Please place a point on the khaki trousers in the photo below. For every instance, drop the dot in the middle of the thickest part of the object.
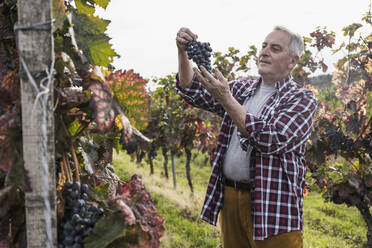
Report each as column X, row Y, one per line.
column 237, row 228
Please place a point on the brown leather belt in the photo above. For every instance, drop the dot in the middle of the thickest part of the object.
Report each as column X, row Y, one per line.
column 238, row 184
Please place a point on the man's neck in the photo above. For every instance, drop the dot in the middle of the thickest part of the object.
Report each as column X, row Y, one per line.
column 272, row 81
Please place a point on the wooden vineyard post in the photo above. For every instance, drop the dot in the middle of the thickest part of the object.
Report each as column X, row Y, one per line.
column 36, row 54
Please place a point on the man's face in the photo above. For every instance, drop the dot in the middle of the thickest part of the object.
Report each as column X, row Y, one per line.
column 275, row 61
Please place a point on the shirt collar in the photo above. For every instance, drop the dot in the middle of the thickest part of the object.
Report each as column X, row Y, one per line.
column 279, row 85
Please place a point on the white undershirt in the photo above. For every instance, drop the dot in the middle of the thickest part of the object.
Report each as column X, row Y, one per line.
column 236, row 161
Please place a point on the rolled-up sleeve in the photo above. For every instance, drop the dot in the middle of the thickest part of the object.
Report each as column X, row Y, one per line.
column 197, row 96
column 290, row 127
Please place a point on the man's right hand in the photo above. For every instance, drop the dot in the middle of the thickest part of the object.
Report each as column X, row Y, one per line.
column 184, row 35
column 185, row 72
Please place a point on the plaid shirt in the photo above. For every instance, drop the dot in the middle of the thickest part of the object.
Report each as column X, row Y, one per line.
column 278, row 137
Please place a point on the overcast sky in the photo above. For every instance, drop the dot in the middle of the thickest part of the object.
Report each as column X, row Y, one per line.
column 143, row 31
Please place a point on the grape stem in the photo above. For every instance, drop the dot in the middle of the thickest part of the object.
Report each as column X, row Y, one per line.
column 72, row 150
column 67, row 167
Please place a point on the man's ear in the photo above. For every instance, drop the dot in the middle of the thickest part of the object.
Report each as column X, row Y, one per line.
column 293, row 61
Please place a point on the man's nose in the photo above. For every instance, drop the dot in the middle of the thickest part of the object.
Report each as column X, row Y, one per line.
column 264, row 51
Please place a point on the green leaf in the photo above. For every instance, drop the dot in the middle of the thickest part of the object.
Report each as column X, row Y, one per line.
column 106, row 231
column 74, row 127
column 351, row 29
column 84, row 24
column 84, row 8
column 101, row 51
column 101, row 190
column 102, row 3
column 91, row 39
column 307, row 40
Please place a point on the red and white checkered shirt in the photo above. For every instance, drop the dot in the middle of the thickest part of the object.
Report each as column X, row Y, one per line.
column 278, row 137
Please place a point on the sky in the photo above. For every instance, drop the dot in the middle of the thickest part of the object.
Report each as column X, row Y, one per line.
column 143, row 32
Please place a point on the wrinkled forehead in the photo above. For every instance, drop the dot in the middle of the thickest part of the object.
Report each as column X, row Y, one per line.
column 278, row 37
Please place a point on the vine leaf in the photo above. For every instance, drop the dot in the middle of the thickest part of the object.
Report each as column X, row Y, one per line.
column 142, row 226
column 92, row 40
column 105, row 111
column 85, row 8
column 101, row 102
column 107, row 229
column 101, row 3
column 88, row 150
column 129, row 91
column 101, row 51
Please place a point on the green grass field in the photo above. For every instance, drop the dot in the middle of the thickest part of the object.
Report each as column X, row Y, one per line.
column 327, row 225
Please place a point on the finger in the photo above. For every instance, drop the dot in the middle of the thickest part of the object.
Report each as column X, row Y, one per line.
column 181, row 40
column 185, row 36
column 188, row 31
column 206, row 74
column 201, row 78
column 220, row 76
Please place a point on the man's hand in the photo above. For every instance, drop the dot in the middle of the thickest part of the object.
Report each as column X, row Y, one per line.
column 185, row 73
column 220, row 90
column 217, row 87
column 184, row 35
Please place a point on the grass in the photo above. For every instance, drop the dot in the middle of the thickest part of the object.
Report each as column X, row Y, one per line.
column 327, row 225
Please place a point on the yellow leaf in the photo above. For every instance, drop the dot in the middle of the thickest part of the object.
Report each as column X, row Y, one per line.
column 118, row 122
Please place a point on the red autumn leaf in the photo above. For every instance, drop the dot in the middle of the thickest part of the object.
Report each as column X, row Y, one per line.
column 130, row 219
column 137, row 205
column 101, row 102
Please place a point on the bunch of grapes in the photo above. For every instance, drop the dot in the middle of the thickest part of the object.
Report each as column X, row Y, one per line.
column 337, row 140
column 80, row 217
column 200, row 53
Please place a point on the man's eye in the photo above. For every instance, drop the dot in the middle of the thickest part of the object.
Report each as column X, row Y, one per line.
column 275, row 49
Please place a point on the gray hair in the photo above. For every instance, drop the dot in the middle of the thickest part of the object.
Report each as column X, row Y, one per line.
column 296, row 45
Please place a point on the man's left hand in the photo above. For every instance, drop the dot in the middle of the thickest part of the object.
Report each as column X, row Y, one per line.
column 217, row 87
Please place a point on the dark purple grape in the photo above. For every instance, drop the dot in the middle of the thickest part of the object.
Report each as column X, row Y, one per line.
column 84, row 196
column 68, row 240
column 78, row 239
column 93, row 209
column 68, row 185
column 67, row 226
column 76, row 186
column 79, row 228
column 76, row 218
column 100, row 211
column 82, row 211
column 74, row 194
column 81, row 203
column 84, row 188
column 75, row 210
column 76, row 245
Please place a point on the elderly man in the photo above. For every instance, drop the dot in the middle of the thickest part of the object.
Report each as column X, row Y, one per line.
column 258, row 173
